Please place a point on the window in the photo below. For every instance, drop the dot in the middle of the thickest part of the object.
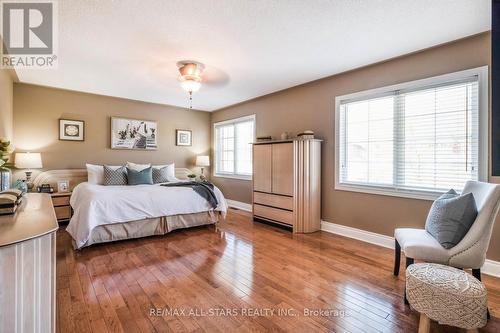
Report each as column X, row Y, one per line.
column 416, row 139
column 233, row 151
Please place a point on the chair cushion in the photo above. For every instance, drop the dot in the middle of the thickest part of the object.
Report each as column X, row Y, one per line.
column 419, row 244
column 451, row 217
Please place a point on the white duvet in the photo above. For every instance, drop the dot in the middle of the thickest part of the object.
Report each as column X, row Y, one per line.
column 96, row 205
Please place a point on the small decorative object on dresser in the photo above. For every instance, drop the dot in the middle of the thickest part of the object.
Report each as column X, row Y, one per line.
column 71, row 130
column 5, row 177
column 29, row 161
column 264, row 138
column 191, row 176
column 5, row 174
column 134, row 134
column 62, row 207
column 307, row 134
column 183, row 137
column 9, row 201
column 63, row 186
column 20, row 184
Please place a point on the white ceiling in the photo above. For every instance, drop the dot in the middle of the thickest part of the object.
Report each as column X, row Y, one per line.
column 129, row 48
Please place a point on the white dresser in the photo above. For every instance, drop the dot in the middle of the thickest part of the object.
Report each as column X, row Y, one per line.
column 28, row 266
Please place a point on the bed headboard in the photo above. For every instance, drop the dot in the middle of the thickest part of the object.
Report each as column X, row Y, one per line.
column 77, row 176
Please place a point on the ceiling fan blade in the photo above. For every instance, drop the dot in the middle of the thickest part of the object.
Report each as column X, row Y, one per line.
column 215, row 77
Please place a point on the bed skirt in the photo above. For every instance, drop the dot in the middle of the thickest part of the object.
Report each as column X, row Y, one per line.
column 148, row 227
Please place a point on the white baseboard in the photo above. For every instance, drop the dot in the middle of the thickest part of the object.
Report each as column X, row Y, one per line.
column 239, row 205
column 490, row 267
column 362, row 235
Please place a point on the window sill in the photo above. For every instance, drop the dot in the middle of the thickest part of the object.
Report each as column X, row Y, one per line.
column 249, row 178
column 420, row 195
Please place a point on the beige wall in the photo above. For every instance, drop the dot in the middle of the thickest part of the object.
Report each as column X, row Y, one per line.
column 36, row 128
column 311, row 106
column 6, row 124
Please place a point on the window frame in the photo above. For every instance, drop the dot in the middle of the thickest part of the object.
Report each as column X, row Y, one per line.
column 233, row 121
column 483, row 114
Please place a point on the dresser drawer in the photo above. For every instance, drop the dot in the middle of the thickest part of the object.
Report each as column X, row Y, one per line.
column 274, row 200
column 280, row 215
column 63, row 212
column 60, row 201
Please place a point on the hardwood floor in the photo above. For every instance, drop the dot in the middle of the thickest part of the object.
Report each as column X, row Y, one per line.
column 231, row 280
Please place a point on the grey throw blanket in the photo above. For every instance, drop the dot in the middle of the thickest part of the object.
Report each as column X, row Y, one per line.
column 204, row 189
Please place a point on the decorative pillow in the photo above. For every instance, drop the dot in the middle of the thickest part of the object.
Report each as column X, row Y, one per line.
column 114, row 176
column 140, row 177
column 170, row 171
column 95, row 174
column 137, row 167
column 451, row 217
column 160, row 175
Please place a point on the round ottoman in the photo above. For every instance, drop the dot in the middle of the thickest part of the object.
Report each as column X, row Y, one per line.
column 447, row 295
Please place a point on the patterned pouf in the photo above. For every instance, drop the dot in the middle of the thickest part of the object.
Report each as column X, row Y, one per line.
column 446, row 294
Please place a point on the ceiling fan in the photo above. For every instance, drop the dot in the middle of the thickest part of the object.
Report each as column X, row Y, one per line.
column 192, row 74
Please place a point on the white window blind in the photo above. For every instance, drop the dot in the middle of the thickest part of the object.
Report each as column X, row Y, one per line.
column 413, row 139
column 233, row 152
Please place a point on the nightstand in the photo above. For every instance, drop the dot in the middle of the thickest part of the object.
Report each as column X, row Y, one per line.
column 60, row 201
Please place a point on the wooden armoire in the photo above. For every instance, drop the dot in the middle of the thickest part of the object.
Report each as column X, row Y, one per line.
column 287, row 183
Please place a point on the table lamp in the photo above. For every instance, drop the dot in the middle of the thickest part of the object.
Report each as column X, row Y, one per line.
column 28, row 161
column 202, row 161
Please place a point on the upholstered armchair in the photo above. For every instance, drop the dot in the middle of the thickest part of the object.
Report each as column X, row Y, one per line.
column 470, row 252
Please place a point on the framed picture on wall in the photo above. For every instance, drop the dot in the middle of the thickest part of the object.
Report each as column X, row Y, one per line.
column 183, row 137
column 134, row 134
column 71, row 130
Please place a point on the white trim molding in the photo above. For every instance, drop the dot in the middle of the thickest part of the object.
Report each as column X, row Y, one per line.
column 490, row 267
column 362, row 235
column 239, row 205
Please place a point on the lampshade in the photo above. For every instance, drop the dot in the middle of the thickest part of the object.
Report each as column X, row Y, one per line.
column 202, row 161
column 28, row 161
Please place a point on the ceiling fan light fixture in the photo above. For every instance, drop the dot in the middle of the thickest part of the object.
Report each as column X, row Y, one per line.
column 190, row 75
column 187, row 68
column 190, row 84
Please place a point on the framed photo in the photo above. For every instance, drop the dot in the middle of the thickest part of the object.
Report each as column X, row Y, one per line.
column 183, row 137
column 63, row 186
column 71, row 130
column 134, row 134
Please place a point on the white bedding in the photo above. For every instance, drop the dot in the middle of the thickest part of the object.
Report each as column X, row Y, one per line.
column 96, row 205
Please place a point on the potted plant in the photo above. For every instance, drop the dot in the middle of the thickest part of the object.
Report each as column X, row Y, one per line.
column 5, row 174
column 192, row 177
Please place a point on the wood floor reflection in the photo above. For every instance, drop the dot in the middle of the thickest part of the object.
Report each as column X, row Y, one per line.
column 247, row 277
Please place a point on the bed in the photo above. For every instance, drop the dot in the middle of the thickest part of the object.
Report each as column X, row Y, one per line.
column 110, row 213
